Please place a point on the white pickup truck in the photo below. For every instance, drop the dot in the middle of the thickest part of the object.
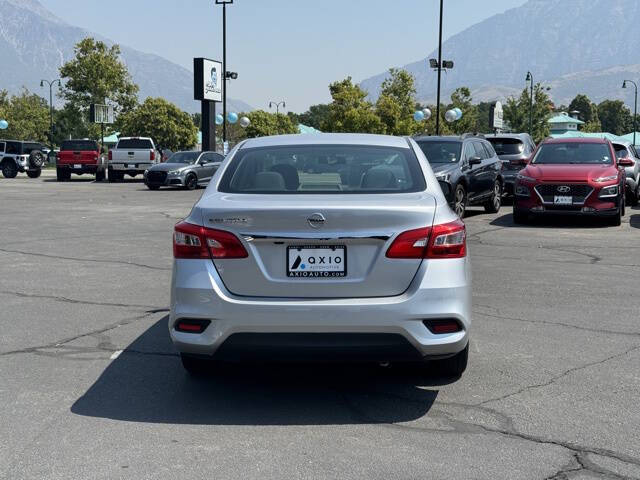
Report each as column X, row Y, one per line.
column 131, row 156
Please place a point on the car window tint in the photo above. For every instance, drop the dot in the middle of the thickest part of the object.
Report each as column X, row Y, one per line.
column 573, row 153
column 83, row 145
column 469, row 151
column 1, row 146
column 479, row 150
column 212, row 157
column 489, row 149
column 13, row 147
column 506, row 146
column 440, row 151
column 135, row 144
column 325, row 169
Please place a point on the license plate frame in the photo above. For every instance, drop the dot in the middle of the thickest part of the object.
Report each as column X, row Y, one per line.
column 315, row 269
column 563, row 200
column 131, row 166
column 77, row 166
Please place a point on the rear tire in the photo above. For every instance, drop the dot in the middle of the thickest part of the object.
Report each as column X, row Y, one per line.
column 495, row 201
column 33, row 173
column 36, row 159
column 460, row 200
column 62, row 175
column 9, row 169
column 100, row 175
column 153, row 187
column 616, row 220
column 115, row 176
column 453, row 366
column 633, row 198
column 196, row 366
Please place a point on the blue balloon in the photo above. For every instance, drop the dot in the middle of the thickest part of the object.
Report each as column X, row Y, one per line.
column 219, row 119
column 232, row 117
column 458, row 113
column 4, row 124
column 418, row 116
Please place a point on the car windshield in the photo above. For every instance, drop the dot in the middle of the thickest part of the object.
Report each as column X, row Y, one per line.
column 506, row 146
column 79, row 145
column 326, row 169
column 573, row 152
column 184, row 157
column 135, row 144
column 441, row 152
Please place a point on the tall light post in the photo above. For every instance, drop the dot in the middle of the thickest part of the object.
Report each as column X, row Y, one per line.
column 439, row 71
column 635, row 108
column 277, row 105
column 224, row 63
column 530, row 79
column 51, row 84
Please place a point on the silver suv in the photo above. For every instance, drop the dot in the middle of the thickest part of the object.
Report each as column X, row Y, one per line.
column 183, row 169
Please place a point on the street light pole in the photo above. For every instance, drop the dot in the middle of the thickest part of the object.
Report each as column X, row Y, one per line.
column 635, row 108
column 51, row 84
column 530, row 79
column 224, row 65
column 439, row 71
column 277, row 105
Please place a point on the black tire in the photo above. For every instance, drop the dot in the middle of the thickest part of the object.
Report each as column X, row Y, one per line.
column 616, row 220
column 100, row 175
column 633, row 198
column 36, row 159
column 519, row 217
column 196, row 366
column 153, row 187
column 33, row 173
column 115, row 176
column 460, row 200
column 62, row 175
column 495, row 201
column 453, row 366
column 9, row 169
column 191, row 182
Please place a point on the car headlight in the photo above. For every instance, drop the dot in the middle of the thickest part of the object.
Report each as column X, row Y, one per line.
column 611, row 191
column 610, row 178
column 173, row 172
column 522, row 191
column 445, row 177
column 525, row 178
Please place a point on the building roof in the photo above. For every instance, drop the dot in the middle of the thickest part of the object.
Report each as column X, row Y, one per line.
column 576, row 134
column 629, row 137
column 564, row 117
column 307, row 129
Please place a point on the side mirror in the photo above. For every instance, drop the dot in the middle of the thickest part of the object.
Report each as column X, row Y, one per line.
column 475, row 161
column 626, row 162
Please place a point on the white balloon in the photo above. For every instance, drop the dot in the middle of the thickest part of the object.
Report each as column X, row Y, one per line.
column 427, row 113
column 450, row 116
column 245, row 122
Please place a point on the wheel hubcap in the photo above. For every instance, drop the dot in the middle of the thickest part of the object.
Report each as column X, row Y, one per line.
column 459, row 202
column 496, row 196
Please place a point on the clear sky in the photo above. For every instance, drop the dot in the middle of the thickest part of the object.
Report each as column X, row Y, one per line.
column 282, row 49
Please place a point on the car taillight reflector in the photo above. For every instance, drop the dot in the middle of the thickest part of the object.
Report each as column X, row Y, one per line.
column 447, row 240
column 152, row 155
column 442, row 325
column 192, row 325
column 194, row 241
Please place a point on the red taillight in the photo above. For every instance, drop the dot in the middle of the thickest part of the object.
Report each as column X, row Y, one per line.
column 193, row 241
column 447, row 240
column 152, row 155
column 192, row 325
column 110, row 155
column 442, row 325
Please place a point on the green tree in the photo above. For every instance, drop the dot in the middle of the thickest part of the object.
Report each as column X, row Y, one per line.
column 315, row 117
column 27, row 114
column 350, row 111
column 169, row 126
column 483, row 109
column 96, row 75
column 588, row 110
column 265, row 123
column 615, row 117
column 516, row 112
column 72, row 123
column 396, row 104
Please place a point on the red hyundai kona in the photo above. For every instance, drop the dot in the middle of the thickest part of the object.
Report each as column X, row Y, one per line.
column 575, row 176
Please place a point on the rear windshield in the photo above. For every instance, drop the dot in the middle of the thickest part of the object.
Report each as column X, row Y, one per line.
column 441, row 152
column 573, row 153
column 323, row 169
column 84, row 145
column 506, row 146
column 135, row 144
column 27, row 148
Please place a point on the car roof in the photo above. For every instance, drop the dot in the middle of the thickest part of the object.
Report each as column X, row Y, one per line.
column 327, row 139
column 576, row 140
column 448, row 138
column 519, row 136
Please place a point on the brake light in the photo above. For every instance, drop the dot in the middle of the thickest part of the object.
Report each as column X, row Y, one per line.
column 193, row 241
column 448, row 240
column 110, row 155
column 152, row 155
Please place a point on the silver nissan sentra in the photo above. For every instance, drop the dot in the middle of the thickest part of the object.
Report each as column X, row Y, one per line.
column 322, row 247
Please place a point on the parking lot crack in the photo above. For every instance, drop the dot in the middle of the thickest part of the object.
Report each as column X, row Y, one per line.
column 91, row 260
column 82, row 302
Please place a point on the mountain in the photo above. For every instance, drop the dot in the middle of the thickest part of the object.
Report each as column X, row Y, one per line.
column 574, row 46
column 34, row 43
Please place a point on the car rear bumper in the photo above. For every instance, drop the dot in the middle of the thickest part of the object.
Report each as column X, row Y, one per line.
column 79, row 168
column 385, row 328
column 130, row 168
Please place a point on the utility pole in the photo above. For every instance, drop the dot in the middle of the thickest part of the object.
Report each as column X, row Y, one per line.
column 530, row 79
column 439, row 71
column 51, row 84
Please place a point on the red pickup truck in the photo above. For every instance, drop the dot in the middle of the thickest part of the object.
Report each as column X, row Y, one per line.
column 79, row 157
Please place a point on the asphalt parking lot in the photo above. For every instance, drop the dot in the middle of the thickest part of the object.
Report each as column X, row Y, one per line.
column 91, row 387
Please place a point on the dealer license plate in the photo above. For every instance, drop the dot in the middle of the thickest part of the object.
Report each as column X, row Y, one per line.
column 562, row 200
column 76, row 165
column 316, row 261
column 131, row 165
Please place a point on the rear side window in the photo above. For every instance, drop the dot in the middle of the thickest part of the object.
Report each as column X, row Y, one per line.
column 323, row 169
column 507, row 146
column 84, row 145
column 13, row 147
column 490, row 152
column 1, row 146
column 27, row 148
column 135, row 144
column 480, row 151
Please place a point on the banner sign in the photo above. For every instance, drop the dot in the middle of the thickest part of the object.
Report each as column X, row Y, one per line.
column 208, row 79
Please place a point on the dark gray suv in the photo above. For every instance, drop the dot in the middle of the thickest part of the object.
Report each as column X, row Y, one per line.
column 188, row 169
column 514, row 149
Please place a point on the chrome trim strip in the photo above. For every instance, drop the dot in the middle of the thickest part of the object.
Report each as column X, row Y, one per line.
column 250, row 237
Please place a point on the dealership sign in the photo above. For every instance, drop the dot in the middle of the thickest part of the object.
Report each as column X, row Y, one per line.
column 207, row 79
column 496, row 117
